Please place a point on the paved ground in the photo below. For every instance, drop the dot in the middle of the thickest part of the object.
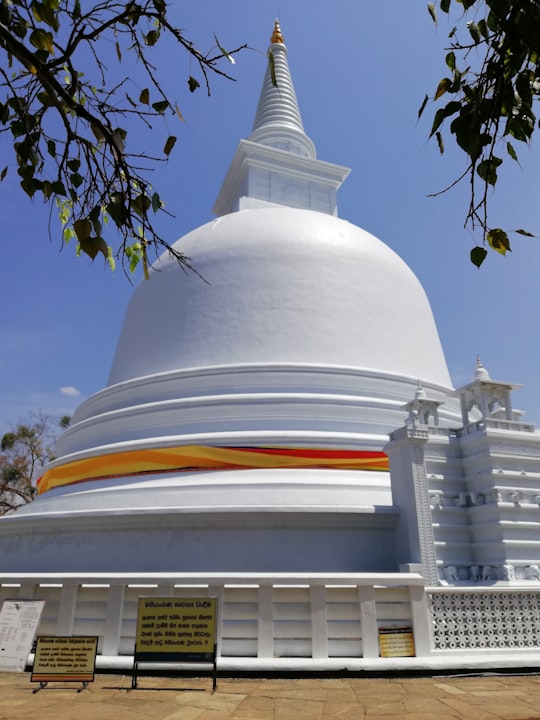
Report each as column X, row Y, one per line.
column 110, row 698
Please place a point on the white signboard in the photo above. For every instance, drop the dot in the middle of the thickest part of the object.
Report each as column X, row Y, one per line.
column 19, row 620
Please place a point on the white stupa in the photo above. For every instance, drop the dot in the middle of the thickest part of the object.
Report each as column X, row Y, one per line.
column 280, row 431
column 242, row 407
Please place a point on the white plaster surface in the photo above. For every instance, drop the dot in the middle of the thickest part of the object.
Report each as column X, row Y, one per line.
column 282, row 285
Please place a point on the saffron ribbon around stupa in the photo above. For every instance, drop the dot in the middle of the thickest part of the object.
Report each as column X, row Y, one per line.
column 192, row 458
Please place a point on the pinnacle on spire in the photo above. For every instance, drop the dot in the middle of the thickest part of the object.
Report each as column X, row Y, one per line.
column 277, row 37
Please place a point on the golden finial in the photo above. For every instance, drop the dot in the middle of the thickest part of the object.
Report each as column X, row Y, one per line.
column 277, row 37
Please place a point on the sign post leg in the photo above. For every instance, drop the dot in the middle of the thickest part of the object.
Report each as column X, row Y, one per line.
column 134, row 676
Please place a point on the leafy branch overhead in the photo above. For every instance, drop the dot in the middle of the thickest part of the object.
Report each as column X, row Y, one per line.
column 493, row 82
column 70, row 106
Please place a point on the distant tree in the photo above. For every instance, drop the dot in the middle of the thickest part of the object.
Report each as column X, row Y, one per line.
column 24, row 452
column 494, row 82
column 68, row 101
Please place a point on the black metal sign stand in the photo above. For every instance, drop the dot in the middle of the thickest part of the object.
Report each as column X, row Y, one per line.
column 176, row 659
column 43, row 684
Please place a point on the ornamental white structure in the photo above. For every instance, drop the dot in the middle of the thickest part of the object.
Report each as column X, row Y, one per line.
column 284, row 434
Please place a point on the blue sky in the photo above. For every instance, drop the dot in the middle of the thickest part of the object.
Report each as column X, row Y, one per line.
column 361, row 70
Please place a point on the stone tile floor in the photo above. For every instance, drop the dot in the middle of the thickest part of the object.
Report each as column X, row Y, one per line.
column 498, row 697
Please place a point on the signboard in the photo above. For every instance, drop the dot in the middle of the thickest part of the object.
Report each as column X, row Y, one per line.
column 65, row 659
column 19, row 620
column 168, row 627
column 396, row 642
column 176, row 630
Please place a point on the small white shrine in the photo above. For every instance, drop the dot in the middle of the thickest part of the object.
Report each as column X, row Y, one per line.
column 284, row 435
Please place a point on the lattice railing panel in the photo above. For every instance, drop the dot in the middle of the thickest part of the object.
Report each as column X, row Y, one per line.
column 477, row 620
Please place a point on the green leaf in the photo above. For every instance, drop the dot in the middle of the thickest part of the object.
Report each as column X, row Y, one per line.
column 141, row 204
column 117, row 210
column 3, row 173
column 76, row 180
column 144, row 97
column 46, row 189
column 42, row 40
column 94, row 245
column 524, row 232
column 74, row 164
column 482, row 26
column 45, row 12
column 498, row 240
column 51, row 148
column 440, row 142
column 58, row 188
column 193, row 84
column 474, row 31
column 82, row 228
column 160, row 106
column 110, row 258
column 511, row 151
column 422, row 107
column 444, row 85
column 29, row 187
column 466, row 128
column 224, row 52
column 151, row 38
column 272, row 68
column 171, row 140
column 487, row 169
column 118, row 52
column 156, row 202
column 98, row 132
column 478, row 255
column 432, row 11
column 451, row 60
column 47, row 100
column 452, row 107
column 445, row 5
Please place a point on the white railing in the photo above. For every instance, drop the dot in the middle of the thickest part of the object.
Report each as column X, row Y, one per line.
column 301, row 622
column 262, row 616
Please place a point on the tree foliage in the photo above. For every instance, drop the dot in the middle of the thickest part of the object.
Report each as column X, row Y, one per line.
column 68, row 97
column 493, row 82
column 23, row 453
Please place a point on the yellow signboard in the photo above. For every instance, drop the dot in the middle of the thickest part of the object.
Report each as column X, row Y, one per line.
column 64, row 659
column 396, row 642
column 168, row 625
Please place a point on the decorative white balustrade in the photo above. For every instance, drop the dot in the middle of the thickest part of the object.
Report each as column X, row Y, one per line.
column 307, row 622
column 486, row 618
column 262, row 617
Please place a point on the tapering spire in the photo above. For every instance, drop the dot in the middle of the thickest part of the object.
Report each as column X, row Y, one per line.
column 278, row 122
column 277, row 164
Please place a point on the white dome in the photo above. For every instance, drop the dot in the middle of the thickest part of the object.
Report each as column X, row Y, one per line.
column 281, row 285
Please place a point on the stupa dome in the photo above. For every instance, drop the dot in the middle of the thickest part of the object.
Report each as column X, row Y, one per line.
column 281, row 285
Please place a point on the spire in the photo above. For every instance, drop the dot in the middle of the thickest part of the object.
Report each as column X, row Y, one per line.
column 278, row 122
column 277, row 164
